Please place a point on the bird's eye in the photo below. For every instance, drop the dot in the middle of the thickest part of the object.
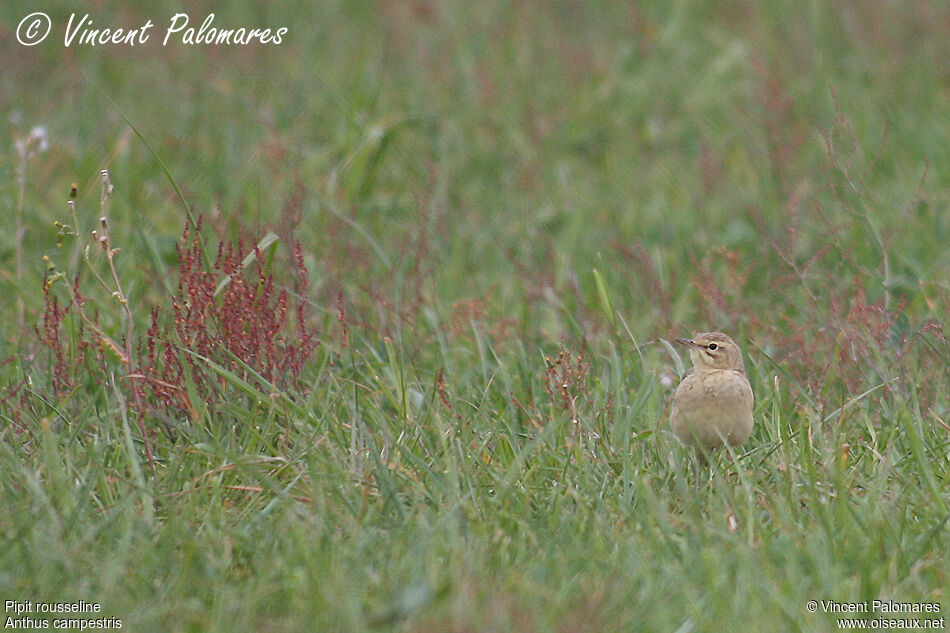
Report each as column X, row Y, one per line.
column 712, row 347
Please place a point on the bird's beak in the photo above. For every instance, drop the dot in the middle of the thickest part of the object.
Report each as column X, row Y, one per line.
column 688, row 342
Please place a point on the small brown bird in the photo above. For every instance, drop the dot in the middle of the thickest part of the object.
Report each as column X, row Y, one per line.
column 713, row 403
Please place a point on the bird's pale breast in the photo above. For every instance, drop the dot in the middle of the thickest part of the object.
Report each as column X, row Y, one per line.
column 711, row 405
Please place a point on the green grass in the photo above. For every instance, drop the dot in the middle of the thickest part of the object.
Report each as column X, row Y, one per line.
column 505, row 211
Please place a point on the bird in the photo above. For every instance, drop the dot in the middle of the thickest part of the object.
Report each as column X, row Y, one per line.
column 712, row 406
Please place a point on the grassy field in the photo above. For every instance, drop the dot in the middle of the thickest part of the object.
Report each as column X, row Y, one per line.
column 374, row 335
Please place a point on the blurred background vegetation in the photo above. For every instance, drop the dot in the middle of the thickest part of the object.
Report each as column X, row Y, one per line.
column 530, row 143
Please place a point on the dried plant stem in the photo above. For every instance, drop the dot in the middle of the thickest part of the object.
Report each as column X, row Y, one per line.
column 125, row 351
column 19, row 233
column 119, row 295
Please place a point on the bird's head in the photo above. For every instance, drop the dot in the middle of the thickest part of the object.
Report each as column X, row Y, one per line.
column 713, row 350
